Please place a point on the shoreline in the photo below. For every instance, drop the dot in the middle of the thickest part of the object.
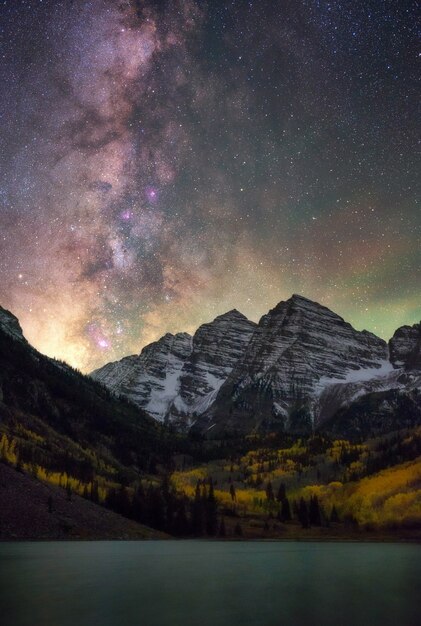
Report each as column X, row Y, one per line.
column 315, row 539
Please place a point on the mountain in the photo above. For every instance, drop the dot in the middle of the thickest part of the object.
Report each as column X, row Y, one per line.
column 63, row 436
column 405, row 347
column 298, row 349
column 27, row 515
column 216, row 348
column 296, row 369
column 178, row 376
column 9, row 324
column 151, row 380
column 321, row 399
column 380, row 403
column 55, row 418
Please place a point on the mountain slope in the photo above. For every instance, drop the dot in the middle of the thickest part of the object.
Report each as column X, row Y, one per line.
column 405, row 347
column 151, row 380
column 9, row 324
column 298, row 348
column 385, row 399
column 178, row 376
column 46, row 396
column 33, row 510
column 216, row 348
column 376, row 413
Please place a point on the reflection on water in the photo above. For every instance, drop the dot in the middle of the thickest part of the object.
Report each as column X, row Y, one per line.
column 198, row 583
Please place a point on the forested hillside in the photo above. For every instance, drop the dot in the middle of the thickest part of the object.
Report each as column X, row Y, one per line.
column 63, row 430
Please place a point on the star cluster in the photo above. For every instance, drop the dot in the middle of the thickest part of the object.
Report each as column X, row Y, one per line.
column 163, row 162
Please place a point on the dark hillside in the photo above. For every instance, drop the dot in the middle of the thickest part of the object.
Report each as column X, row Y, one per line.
column 31, row 509
column 41, row 394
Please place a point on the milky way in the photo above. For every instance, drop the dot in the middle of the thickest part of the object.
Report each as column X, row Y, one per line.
column 163, row 162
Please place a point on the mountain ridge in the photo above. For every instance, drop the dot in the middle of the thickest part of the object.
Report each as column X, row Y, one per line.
column 62, row 428
column 301, row 357
column 295, row 344
column 184, row 372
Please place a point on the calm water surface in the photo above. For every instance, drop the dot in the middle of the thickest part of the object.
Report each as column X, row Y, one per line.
column 195, row 583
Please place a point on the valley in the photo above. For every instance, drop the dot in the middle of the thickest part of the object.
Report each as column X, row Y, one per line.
column 272, row 431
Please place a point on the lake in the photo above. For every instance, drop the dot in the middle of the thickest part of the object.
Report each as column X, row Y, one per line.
column 199, row 583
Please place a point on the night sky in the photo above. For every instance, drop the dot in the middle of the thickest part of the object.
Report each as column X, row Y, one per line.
column 164, row 162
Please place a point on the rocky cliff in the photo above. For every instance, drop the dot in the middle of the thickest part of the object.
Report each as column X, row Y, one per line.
column 10, row 324
column 296, row 369
column 177, row 377
column 151, row 379
column 405, row 347
column 298, row 349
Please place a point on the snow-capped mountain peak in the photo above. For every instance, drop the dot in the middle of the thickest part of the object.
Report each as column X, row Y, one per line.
column 301, row 359
column 178, row 376
column 295, row 346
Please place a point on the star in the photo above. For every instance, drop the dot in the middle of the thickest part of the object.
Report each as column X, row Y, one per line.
column 164, row 162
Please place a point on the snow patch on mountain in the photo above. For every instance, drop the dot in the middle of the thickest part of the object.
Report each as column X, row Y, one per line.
column 151, row 379
column 356, row 376
column 337, row 395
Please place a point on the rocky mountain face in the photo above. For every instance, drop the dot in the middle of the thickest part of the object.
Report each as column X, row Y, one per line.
column 377, row 394
column 376, row 413
column 380, row 401
column 298, row 349
column 216, row 348
column 10, row 324
column 295, row 370
column 405, row 347
column 340, row 395
column 151, row 379
column 177, row 377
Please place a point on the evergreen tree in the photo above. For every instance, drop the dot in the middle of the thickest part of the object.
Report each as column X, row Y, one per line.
column 19, row 464
column 180, row 525
column 124, row 505
column 222, row 530
column 269, row 492
column 110, row 498
column 165, row 487
column 197, row 512
column 281, row 493
column 156, row 509
column 69, row 491
column 334, row 517
column 94, row 491
column 303, row 513
column 285, row 510
column 314, row 516
column 211, row 511
column 138, row 504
